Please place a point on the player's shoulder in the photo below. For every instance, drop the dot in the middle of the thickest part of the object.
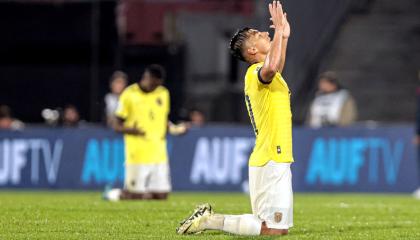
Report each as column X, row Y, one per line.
column 251, row 77
column 254, row 68
column 131, row 88
column 162, row 90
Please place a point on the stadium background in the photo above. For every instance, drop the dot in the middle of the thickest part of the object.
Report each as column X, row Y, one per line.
column 59, row 52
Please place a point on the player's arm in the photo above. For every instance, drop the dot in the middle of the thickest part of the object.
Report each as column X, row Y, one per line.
column 119, row 127
column 177, row 129
column 123, row 111
column 172, row 128
column 272, row 62
column 286, row 35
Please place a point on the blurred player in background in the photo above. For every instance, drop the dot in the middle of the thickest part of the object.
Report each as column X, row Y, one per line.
column 333, row 105
column 197, row 118
column 142, row 115
column 267, row 97
column 71, row 117
column 7, row 121
column 117, row 85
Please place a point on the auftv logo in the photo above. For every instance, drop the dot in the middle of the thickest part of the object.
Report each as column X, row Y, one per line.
column 220, row 160
column 339, row 161
column 103, row 161
column 41, row 156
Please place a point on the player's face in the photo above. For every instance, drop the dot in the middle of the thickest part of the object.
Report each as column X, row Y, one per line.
column 149, row 82
column 5, row 123
column 261, row 41
column 118, row 85
column 326, row 86
column 71, row 115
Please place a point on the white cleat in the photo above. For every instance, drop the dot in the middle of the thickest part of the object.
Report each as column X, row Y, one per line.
column 193, row 224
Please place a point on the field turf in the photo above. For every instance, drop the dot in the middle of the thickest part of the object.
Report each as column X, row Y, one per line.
column 83, row 215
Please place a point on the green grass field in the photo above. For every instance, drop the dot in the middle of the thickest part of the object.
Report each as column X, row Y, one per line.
column 83, row 215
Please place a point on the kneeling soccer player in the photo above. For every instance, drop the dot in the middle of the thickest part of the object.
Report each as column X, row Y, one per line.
column 142, row 115
column 267, row 98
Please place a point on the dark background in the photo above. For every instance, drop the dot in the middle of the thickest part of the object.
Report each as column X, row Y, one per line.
column 56, row 52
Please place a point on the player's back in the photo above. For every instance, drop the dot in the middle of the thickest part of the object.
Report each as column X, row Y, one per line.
column 269, row 110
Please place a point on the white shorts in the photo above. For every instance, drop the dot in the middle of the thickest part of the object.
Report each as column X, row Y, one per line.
column 270, row 188
column 145, row 178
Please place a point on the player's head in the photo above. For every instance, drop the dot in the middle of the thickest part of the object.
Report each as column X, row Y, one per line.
column 153, row 76
column 328, row 82
column 5, row 117
column 250, row 45
column 118, row 82
column 71, row 116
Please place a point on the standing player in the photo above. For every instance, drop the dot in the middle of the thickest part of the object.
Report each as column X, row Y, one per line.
column 143, row 119
column 267, row 98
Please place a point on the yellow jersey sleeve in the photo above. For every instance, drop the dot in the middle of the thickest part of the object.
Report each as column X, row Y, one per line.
column 168, row 102
column 254, row 78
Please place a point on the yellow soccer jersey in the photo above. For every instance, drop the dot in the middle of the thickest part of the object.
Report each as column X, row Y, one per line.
column 149, row 112
column 268, row 107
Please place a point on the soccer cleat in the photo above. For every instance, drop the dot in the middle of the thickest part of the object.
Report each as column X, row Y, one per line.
column 192, row 224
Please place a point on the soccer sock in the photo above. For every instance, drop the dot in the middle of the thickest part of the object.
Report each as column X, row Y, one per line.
column 246, row 224
column 214, row 222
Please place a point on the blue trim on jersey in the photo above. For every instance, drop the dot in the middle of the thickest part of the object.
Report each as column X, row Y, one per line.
column 261, row 79
column 251, row 114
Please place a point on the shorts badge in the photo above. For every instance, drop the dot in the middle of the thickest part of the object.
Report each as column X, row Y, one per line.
column 277, row 217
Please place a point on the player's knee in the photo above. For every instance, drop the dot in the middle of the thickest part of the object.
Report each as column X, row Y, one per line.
column 160, row 196
column 272, row 231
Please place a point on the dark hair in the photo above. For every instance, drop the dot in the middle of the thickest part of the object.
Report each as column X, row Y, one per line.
column 5, row 111
column 71, row 106
column 331, row 77
column 157, row 71
column 119, row 74
column 237, row 42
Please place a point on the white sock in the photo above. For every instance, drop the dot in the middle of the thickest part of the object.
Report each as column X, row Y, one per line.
column 214, row 222
column 246, row 224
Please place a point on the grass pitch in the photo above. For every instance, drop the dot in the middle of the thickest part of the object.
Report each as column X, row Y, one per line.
column 83, row 215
